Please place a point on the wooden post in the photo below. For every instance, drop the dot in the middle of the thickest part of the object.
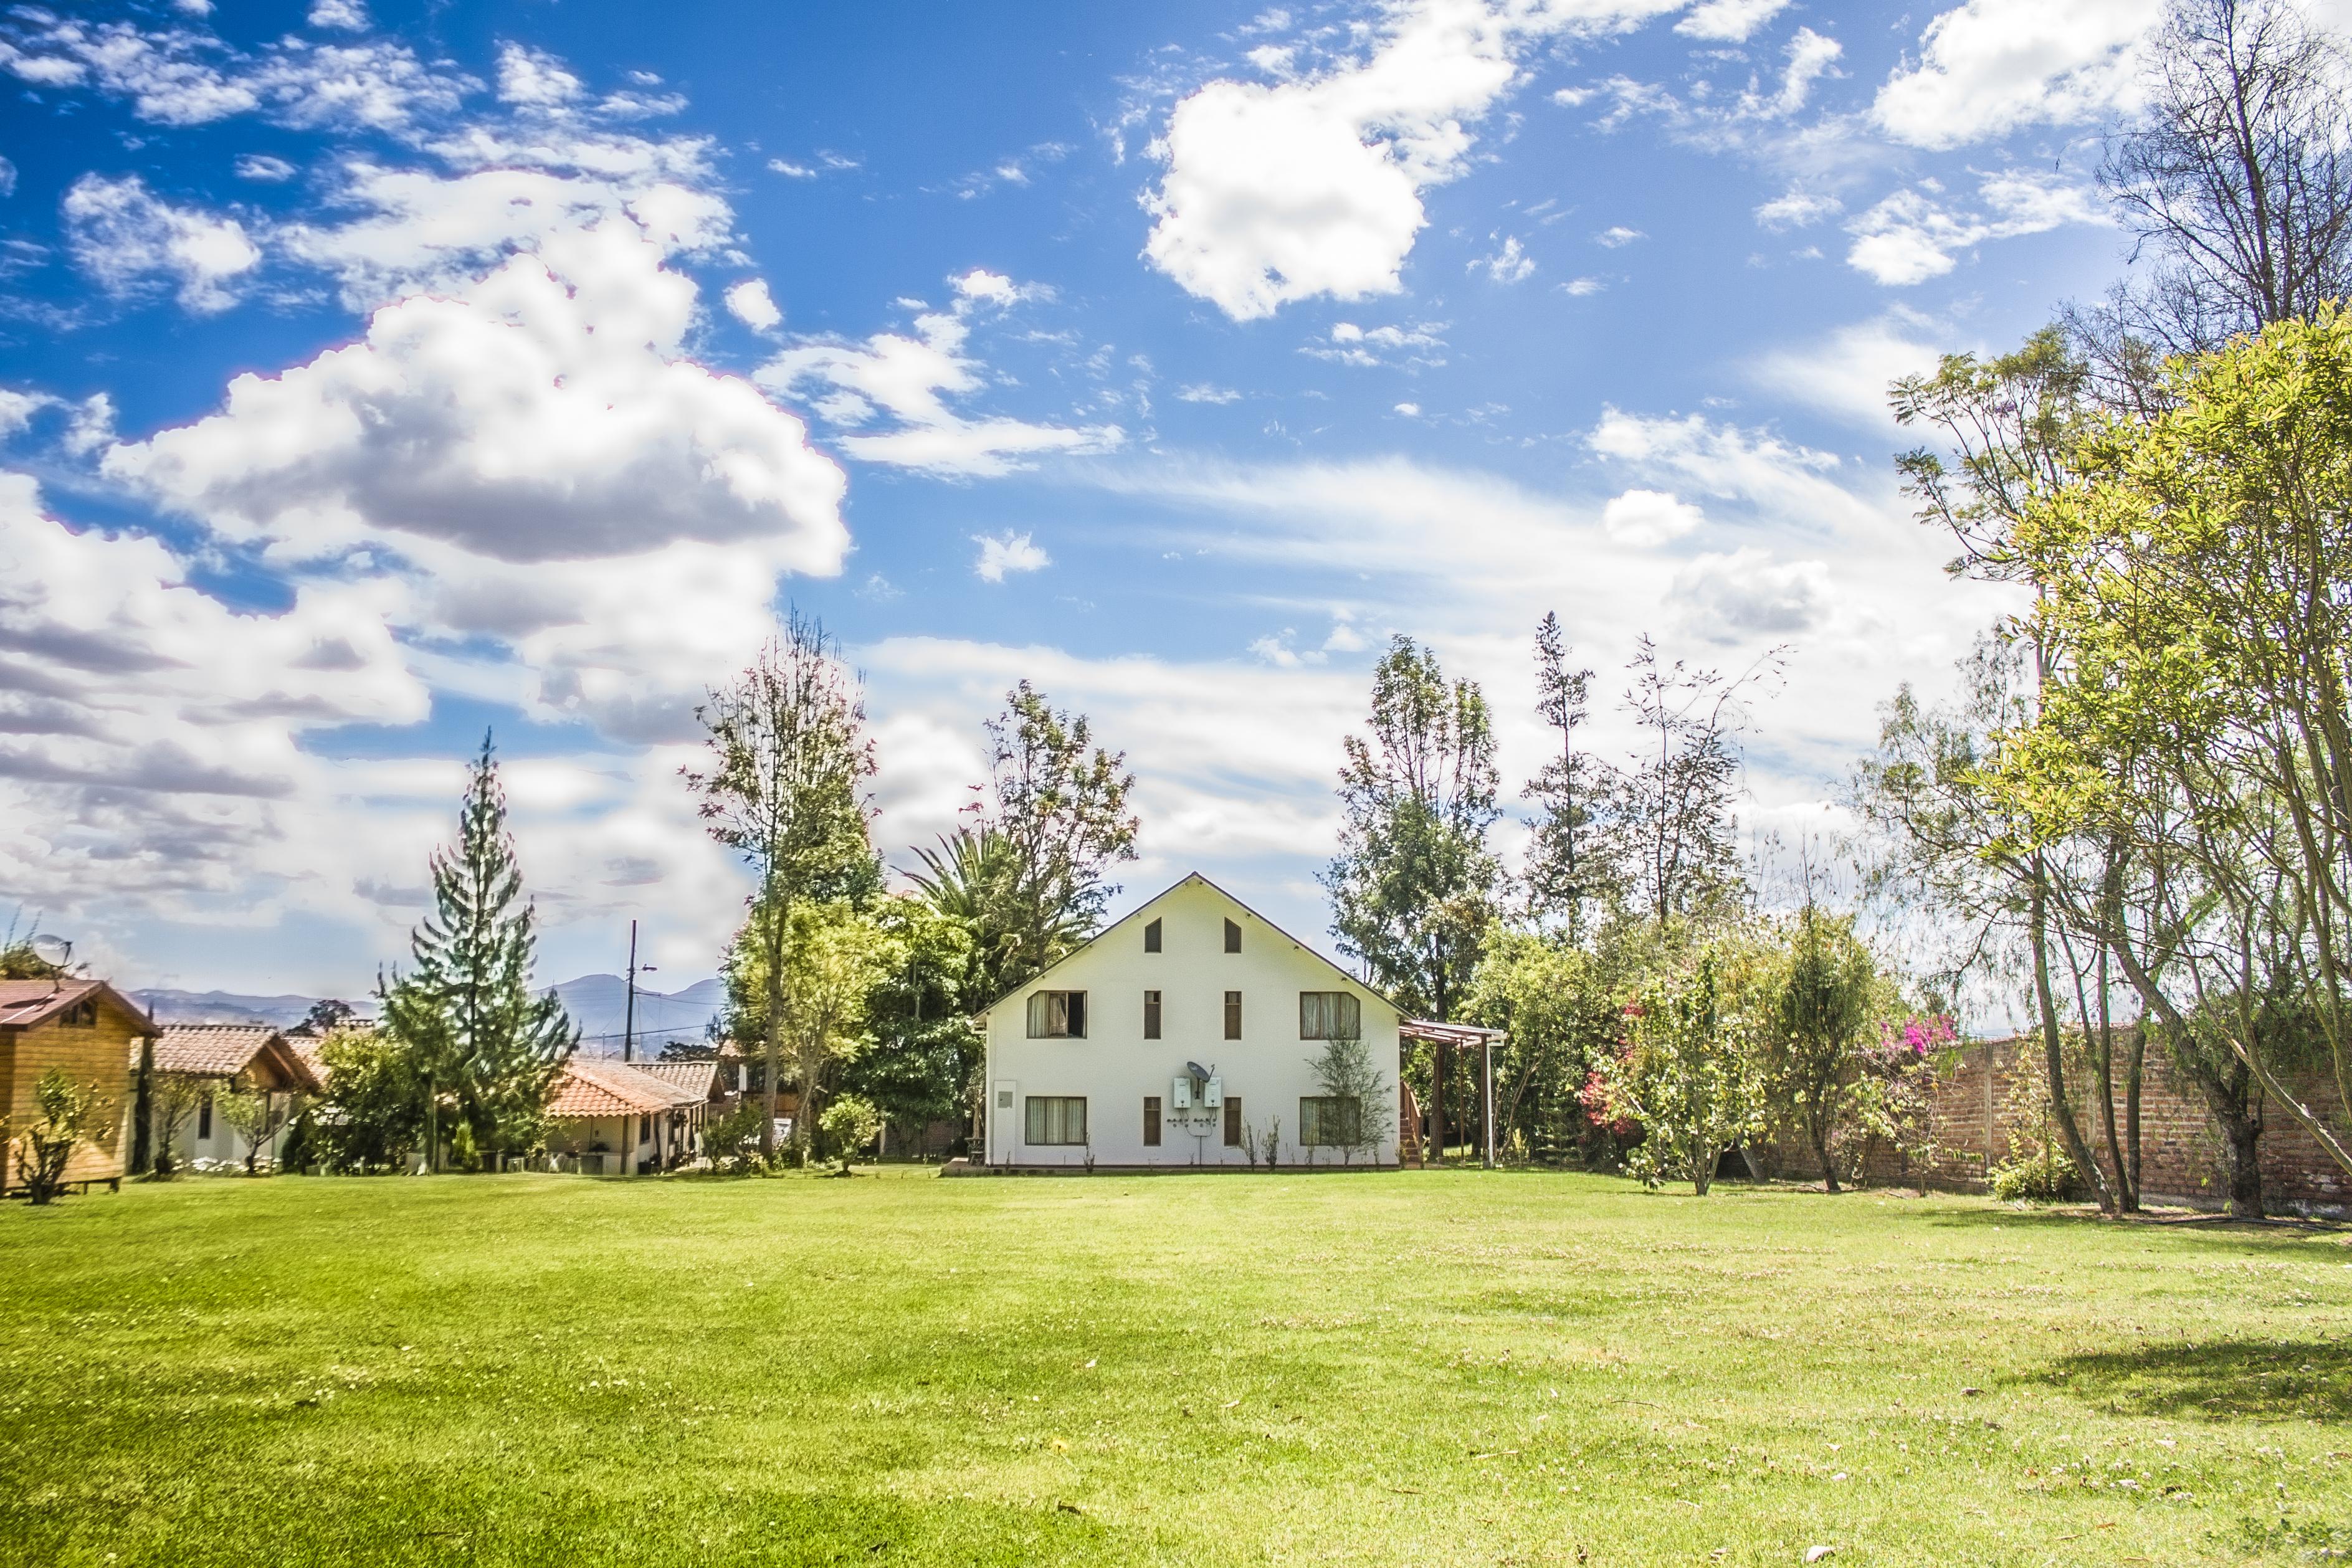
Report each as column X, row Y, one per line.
column 1437, row 1099
column 1487, row 1114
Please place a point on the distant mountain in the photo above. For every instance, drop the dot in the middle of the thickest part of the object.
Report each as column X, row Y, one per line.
column 597, row 1003
column 223, row 1006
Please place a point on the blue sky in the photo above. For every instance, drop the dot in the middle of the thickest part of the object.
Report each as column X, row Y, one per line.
column 372, row 374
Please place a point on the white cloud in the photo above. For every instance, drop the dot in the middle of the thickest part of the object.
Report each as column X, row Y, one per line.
column 1693, row 453
column 1617, row 235
column 1410, row 410
column 1510, row 264
column 993, row 287
column 545, row 413
column 346, row 15
column 1847, row 373
column 17, row 409
column 124, row 236
column 751, row 303
column 532, row 78
column 911, row 379
column 1990, row 66
column 1364, row 347
column 1728, row 21
column 1797, row 209
column 1746, row 594
column 1810, row 58
column 1579, row 287
column 1647, row 518
column 790, row 170
column 1007, row 553
column 1204, row 392
column 1910, row 237
column 262, row 167
column 1277, row 193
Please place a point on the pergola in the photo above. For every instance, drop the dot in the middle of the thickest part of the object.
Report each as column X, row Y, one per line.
column 1446, row 1038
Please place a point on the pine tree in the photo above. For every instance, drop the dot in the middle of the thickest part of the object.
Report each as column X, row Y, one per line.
column 480, row 1036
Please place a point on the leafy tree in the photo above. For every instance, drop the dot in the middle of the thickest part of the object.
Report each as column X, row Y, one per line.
column 925, row 1046
column 66, row 1113
column 376, row 1090
column 1670, row 826
column 730, row 1141
column 1347, row 1077
column 326, row 1016
column 465, row 1010
column 1556, row 1009
column 850, row 1124
column 1061, row 815
column 172, row 1099
column 1826, row 984
column 2200, row 581
column 1415, row 886
column 784, row 788
column 255, row 1116
column 835, row 957
column 1689, row 1075
column 972, row 880
column 1563, row 874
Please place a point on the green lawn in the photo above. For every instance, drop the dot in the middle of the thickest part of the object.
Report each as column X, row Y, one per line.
column 1415, row 1368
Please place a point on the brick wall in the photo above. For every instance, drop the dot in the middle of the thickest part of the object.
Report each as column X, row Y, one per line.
column 1988, row 1107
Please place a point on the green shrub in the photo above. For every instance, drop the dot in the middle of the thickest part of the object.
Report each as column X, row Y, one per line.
column 2045, row 1176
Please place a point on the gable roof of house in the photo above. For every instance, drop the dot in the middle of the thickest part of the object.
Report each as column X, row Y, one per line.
column 24, row 1003
column 590, row 1086
column 225, row 1050
column 695, row 1078
column 1138, row 911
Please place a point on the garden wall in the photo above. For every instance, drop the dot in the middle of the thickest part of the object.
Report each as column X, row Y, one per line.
column 1988, row 1107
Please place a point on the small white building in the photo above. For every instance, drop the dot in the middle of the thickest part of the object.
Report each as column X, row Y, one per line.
column 1186, row 1034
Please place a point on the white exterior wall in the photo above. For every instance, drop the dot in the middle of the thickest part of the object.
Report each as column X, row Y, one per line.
column 1115, row 1067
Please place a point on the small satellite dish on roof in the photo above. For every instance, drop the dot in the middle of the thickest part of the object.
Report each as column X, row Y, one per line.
column 1196, row 1070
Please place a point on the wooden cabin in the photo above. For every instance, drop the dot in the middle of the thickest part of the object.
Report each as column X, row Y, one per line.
column 94, row 1033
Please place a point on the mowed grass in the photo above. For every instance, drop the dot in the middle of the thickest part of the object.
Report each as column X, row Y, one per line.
column 1419, row 1368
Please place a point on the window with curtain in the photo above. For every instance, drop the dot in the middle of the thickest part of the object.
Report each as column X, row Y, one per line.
column 1330, row 1121
column 1233, row 1015
column 1057, row 1015
column 1055, row 1119
column 1329, row 1015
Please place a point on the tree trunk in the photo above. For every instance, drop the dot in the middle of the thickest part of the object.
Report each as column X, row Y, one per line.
column 1819, row 1130
column 1437, row 1100
column 1703, row 1172
column 2054, row 1044
column 775, row 1034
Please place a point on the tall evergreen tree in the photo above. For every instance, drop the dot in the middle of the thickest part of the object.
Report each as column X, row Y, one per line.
column 480, row 1036
column 1564, row 873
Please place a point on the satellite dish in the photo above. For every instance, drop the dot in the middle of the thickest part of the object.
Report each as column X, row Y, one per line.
column 55, row 951
column 1196, row 1070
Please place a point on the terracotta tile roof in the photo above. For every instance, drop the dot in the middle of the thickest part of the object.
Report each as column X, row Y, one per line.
column 24, row 1003
column 306, row 1048
column 210, row 1050
column 695, row 1078
column 590, row 1086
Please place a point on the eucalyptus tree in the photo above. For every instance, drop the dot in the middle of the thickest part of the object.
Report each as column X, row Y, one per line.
column 784, row 787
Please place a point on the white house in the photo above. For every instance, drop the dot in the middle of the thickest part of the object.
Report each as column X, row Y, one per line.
column 1186, row 1034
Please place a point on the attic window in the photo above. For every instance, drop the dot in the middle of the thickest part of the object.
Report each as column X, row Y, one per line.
column 83, row 1014
column 1232, row 937
column 1152, row 937
column 1057, row 1015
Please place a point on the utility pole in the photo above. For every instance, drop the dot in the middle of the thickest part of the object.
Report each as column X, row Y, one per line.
column 629, row 1006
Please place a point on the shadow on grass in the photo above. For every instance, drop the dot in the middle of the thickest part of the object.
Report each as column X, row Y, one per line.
column 2231, row 1380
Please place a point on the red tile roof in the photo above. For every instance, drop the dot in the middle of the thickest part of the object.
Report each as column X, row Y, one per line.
column 590, row 1086
column 225, row 1050
column 695, row 1078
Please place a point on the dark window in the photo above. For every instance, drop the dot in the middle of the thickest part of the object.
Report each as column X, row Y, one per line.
column 1152, row 1121
column 1151, row 1015
column 1233, row 1015
column 1152, row 937
column 1330, row 1121
column 204, row 1117
column 1232, row 937
column 645, row 1128
column 1057, row 1015
column 1329, row 1015
column 1056, row 1119
column 1233, row 1121
column 83, row 1014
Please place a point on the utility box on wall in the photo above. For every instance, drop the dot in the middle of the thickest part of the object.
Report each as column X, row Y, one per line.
column 1179, row 1093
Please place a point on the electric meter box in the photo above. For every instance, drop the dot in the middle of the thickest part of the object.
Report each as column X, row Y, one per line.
column 1179, row 1093
column 1213, row 1096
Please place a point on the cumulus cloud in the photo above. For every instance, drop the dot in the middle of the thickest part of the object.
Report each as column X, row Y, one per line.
column 1007, row 553
column 1617, row 236
column 545, row 413
column 910, row 378
column 263, row 168
column 1350, row 344
column 1990, row 66
column 1912, row 236
column 1728, row 21
column 1648, row 517
column 534, row 79
column 751, row 303
column 1746, row 594
column 1508, row 262
column 126, row 238
column 1275, row 192
column 343, row 15
column 1797, row 209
